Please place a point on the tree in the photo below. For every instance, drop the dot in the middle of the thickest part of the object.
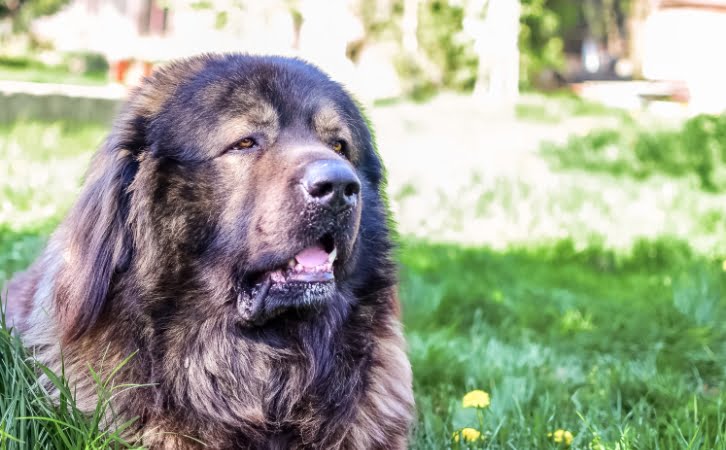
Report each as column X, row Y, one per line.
column 494, row 28
column 22, row 12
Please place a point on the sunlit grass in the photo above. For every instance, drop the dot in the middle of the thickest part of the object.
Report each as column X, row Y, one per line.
column 22, row 69
column 29, row 420
column 697, row 150
column 537, row 205
column 555, row 107
column 580, row 300
column 617, row 349
column 41, row 166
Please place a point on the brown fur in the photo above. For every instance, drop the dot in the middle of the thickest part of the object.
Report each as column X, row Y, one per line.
column 164, row 240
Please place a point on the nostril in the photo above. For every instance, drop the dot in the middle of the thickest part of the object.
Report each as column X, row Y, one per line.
column 331, row 183
column 321, row 189
column 352, row 189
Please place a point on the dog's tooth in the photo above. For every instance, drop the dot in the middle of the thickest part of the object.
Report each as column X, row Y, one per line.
column 291, row 263
column 333, row 255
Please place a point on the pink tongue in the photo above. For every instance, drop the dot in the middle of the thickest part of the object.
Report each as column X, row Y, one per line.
column 312, row 256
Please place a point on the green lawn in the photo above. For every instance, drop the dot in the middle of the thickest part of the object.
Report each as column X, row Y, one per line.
column 581, row 295
column 25, row 69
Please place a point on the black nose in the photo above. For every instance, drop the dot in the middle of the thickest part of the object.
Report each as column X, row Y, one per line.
column 331, row 183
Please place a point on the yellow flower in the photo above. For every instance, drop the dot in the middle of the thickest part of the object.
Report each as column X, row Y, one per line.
column 723, row 265
column 476, row 399
column 561, row 437
column 469, row 434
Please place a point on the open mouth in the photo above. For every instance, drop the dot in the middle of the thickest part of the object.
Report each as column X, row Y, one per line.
column 306, row 279
column 313, row 264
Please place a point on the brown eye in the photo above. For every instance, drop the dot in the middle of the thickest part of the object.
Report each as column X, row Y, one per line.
column 245, row 143
column 338, row 146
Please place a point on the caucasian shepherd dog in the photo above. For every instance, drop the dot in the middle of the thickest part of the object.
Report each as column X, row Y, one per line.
column 231, row 235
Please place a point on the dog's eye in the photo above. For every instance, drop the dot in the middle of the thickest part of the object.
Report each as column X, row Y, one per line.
column 338, row 146
column 244, row 144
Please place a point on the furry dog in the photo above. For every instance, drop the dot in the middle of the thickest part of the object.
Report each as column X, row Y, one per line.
column 231, row 234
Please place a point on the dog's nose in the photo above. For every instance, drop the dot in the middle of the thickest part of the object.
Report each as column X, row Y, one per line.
column 331, row 183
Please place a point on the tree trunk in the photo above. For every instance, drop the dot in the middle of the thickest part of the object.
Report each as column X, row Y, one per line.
column 409, row 26
column 640, row 9
column 496, row 40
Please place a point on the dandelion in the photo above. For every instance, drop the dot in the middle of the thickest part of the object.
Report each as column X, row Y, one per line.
column 561, row 437
column 468, row 434
column 476, row 399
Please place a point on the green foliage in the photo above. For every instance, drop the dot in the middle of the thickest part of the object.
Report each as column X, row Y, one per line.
column 37, row 8
column 86, row 63
column 381, row 20
column 622, row 346
column 451, row 52
column 622, row 355
column 22, row 12
column 698, row 150
column 441, row 38
column 558, row 106
column 29, row 420
column 540, row 43
column 417, row 83
column 48, row 160
column 704, row 139
column 76, row 68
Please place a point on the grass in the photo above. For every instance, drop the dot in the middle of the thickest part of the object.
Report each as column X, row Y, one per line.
column 697, row 150
column 29, row 420
column 618, row 349
column 579, row 297
column 555, row 107
column 39, row 175
column 24, row 69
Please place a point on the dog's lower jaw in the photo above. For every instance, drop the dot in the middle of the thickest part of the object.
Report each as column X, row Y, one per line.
column 250, row 303
column 268, row 299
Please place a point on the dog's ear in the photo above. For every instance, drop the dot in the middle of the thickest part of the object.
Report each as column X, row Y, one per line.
column 96, row 240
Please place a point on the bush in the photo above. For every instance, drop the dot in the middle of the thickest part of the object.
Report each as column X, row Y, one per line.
column 540, row 45
column 704, row 139
column 86, row 63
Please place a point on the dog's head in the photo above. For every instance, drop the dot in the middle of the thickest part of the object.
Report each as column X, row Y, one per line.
column 230, row 185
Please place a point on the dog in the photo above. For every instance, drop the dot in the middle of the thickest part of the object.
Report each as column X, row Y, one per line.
column 232, row 241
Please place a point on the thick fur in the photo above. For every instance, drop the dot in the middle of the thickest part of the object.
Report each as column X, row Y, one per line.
column 170, row 225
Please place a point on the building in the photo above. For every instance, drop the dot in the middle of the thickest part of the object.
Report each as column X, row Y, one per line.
column 682, row 40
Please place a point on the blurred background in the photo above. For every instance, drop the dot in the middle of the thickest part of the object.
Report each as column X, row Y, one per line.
column 556, row 168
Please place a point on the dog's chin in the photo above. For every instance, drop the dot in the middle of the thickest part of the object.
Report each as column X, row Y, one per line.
column 270, row 300
column 302, row 285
